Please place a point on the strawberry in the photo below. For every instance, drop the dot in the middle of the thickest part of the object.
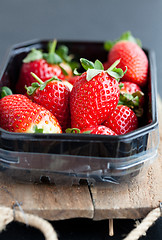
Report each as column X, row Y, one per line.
column 73, row 79
column 132, row 56
column 129, row 87
column 102, row 130
column 95, row 94
column 19, row 114
column 132, row 96
column 52, row 94
column 44, row 65
column 122, row 120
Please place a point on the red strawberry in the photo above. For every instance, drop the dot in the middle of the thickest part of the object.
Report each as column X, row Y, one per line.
column 132, row 96
column 129, row 87
column 103, row 130
column 95, row 94
column 44, row 65
column 40, row 67
column 122, row 120
column 53, row 95
column 19, row 114
column 132, row 56
column 73, row 79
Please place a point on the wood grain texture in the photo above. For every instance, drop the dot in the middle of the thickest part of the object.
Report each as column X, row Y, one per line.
column 48, row 201
column 133, row 199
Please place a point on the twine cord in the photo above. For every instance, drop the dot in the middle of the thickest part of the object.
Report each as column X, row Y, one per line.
column 7, row 215
column 147, row 222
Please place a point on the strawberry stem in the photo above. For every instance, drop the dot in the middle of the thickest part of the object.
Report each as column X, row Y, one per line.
column 37, row 78
column 39, row 83
column 53, row 46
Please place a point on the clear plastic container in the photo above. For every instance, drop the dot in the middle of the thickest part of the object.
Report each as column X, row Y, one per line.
column 69, row 158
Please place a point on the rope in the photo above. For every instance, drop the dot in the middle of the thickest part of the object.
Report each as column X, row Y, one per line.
column 147, row 222
column 7, row 215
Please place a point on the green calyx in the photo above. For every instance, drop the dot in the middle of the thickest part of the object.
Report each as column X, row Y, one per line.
column 76, row 130
column 132, row 101
column 39, row 84
column 127, row 36
column 33, row 55
column 72, row 130
column 53, row 56
column 5, row 91
column 95, row 68
column 63, row 52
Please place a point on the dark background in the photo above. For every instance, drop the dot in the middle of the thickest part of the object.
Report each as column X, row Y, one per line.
column 22, row 20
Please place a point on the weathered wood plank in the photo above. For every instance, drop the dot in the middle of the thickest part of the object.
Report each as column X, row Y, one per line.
column 47, row 201
column 133, row 199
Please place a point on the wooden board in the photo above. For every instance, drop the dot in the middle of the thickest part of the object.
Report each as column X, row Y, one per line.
column 48, row 201
column 133, row 199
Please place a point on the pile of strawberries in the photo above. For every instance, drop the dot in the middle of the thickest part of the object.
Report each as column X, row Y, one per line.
column 105, row 99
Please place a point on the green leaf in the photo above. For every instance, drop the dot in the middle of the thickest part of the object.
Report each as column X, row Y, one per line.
column 129, row 100
column 72, row 130
column 87, row 64
column 44, row 84
column 63, row 51
column 91, row 73
column 108, row 45
column 37, row 130
column 75, row 72
column 5, row 91
column 74, row 65
column 127, row 36
column 114, row 65
column 87, row 132
column 52, row 58
column 98, row 65
column 114, row 72
column 33, row 55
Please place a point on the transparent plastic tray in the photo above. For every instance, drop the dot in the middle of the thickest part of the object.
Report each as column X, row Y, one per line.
column 71, row 157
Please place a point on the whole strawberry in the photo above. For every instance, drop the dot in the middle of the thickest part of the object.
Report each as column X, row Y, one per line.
column 131, row 55
column 44, row 65
column 95, row 94
column 19, row 114
column 122, row 120
column 52, row 94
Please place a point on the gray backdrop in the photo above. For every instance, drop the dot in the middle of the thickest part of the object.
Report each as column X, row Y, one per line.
column 22, row 20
